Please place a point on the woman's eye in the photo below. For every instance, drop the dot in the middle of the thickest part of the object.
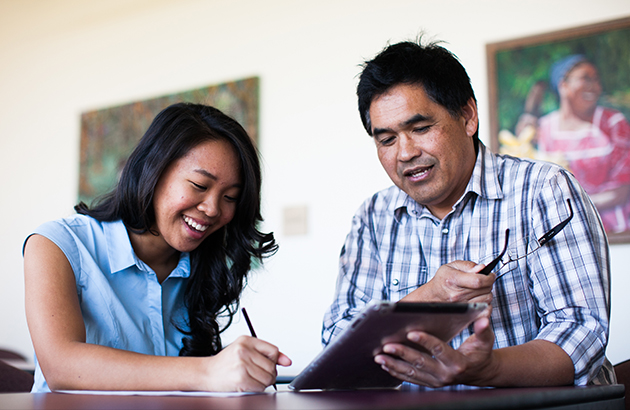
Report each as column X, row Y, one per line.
column 199, row 187
column 231, row 198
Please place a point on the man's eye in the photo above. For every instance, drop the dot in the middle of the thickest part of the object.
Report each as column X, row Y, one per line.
column 421, row 130
column 386, row 141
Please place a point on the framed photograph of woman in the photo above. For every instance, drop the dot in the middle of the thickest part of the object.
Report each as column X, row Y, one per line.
column 565, row 97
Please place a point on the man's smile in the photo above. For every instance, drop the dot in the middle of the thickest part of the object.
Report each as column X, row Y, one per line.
column 417, row 173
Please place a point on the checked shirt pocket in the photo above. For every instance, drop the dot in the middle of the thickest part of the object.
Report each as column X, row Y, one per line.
column 402, row 279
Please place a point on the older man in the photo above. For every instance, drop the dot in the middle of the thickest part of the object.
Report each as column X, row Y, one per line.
column 452, row 201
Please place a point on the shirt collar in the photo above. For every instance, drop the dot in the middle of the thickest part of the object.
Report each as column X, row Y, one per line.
column 122, row 256
column 483, row 182
column 119, row 250
column 401, row 203
column 182, row 270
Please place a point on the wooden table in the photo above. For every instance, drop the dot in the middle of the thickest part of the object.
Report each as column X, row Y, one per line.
column 596, row 397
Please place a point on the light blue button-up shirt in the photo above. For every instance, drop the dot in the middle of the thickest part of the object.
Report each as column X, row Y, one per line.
column 122, row 303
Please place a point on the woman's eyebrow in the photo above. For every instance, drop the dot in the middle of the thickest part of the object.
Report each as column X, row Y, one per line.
column 205, row 173
column 210, row 175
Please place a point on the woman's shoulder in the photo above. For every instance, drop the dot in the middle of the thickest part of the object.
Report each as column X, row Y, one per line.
column 80, row 229
column 75, row 223
column 81, row 237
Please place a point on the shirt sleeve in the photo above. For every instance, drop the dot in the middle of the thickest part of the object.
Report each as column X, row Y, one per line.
column 570, row 277
column 62, row 233
column 360, row 277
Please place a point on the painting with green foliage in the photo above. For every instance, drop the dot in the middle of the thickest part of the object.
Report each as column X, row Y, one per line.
column 519, row 69
column 109, row 135
column 564, row 97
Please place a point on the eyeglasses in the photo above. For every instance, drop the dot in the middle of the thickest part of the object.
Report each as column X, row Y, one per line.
column 526, row 246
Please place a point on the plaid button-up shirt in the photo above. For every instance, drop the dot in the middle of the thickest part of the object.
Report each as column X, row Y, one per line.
column 560, row 293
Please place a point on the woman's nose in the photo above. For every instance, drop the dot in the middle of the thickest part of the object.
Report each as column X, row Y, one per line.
column 210, row 206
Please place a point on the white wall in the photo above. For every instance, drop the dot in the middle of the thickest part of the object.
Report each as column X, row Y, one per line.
column 59, row 58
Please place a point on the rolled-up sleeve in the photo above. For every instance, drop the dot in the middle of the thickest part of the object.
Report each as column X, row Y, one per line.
column 570, row 279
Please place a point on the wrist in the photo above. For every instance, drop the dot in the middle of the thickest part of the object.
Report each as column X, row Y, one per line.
column 488, row 374
column 422, row 294
column 200, row 373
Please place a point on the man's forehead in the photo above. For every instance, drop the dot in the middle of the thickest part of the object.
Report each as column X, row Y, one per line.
column 401, row 107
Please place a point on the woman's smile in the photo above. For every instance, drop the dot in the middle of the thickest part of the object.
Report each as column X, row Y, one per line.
column 194, row 225
column 196, row 195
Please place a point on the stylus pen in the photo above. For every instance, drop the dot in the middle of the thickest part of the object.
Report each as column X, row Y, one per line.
column 253, row 332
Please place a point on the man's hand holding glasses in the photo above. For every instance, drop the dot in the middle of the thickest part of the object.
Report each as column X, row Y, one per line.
column 529, row 246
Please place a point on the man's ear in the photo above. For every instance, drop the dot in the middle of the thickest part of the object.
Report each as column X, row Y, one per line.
column 471, row 118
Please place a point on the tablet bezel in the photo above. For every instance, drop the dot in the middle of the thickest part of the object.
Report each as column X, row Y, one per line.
column 347, row 363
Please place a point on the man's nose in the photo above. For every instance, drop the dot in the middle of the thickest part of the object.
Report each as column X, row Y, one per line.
column 408, row 149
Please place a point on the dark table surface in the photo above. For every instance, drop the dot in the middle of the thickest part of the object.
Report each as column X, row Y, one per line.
column 596, row 397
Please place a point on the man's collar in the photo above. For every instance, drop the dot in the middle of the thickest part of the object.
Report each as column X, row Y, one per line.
column 484, row 180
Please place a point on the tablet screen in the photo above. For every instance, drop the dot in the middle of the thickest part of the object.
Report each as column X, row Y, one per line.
column 348, row 361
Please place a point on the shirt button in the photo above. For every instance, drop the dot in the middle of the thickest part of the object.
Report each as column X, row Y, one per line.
column 395, row 282
column 445, row 231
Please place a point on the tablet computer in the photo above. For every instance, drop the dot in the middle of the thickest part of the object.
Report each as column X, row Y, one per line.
column 348, row 361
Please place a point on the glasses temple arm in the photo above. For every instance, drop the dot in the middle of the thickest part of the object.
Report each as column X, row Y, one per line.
column 488, row 268
column 554, row 231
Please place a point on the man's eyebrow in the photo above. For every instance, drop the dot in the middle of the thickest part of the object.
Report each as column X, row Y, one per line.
column 413, row 120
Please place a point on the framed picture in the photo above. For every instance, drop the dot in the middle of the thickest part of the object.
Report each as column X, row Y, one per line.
column 565, row 97
column 109, row 135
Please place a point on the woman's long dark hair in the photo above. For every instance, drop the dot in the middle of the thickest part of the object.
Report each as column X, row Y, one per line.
column 220, row 264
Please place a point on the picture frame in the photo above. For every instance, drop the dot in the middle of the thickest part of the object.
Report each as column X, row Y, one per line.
column 108, row 135
column 564, row 97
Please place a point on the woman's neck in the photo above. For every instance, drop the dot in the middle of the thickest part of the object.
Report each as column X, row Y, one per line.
column 152, row 250
column 571, row 120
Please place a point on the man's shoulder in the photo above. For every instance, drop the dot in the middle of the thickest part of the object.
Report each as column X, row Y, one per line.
column 514, row 174
column 526, row 166
column 385, row 201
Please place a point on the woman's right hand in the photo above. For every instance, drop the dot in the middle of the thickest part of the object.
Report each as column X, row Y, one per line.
column 247, row 364
column 69, row 363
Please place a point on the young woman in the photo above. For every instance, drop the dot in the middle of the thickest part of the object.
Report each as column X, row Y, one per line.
column 115, row 293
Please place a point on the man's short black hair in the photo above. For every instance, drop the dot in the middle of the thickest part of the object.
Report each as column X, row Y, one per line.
column 431, row 66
